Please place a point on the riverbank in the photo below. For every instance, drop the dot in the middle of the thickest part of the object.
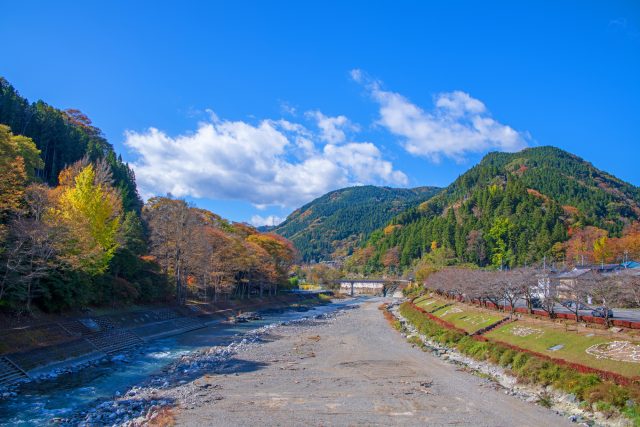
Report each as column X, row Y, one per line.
column 580, row 397
column 349, row 369
column 151, row 370
column 62, row 345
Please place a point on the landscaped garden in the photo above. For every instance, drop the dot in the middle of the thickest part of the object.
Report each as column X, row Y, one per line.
column 583, row 346
column 430, row 303
column 593, row 391
column 460, row 315
column 467, row 318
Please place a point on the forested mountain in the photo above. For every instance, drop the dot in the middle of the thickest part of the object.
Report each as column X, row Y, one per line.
column 74, row 232
column 511, row 209
column 334, row 224
column 64, row 137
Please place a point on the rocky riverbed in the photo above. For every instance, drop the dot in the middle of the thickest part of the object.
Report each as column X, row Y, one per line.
column 346, row 367
column 186, row 383
column 349, row 369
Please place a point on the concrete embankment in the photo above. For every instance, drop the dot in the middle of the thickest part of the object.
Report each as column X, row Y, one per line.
column 65, row 344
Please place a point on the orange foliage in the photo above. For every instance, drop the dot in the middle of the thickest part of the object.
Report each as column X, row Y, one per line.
column 390, row 229
column 391, row 258
column 570, row 210
column 629, row 243
column 244, row 229
column 536, row 193
column 594, row 244
column 580, row 245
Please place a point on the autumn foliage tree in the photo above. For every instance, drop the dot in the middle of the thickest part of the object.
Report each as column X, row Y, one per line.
column 209, row 258
column 19, row 159
column 91, row 210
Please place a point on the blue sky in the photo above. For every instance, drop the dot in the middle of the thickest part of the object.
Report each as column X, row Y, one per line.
column 253, row 108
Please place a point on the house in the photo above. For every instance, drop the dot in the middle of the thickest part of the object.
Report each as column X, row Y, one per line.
column 567, row 281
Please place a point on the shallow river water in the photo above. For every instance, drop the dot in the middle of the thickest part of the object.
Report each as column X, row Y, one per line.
column 39, row 402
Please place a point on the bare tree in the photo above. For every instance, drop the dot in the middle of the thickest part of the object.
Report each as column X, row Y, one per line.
column 546, row 290
column 578, row 290
column 630, row 286
column 172, row 225
column 606, row 290
column 514, row 285
column 31, row 248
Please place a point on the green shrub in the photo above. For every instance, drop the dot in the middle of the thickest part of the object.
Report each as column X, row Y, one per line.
column 507, row 357
column 519, row 360
column 478, row 350
column 530, row 370
column 550, row 374
column 495, row 353
column 633, row 413
column 577, row 384
column 608, row 393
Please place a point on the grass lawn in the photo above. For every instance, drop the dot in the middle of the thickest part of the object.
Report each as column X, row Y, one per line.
column 467, row 318
column 429, row 303
column 540, row 338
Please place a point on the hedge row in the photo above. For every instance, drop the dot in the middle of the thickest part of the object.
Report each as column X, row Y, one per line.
column 530, row 367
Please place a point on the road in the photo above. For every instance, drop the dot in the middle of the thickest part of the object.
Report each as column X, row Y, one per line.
column 353, row 370
column 627, row 314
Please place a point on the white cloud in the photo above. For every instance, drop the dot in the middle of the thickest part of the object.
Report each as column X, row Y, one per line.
column 271, row 220
column 271, row 163
column 332, row 128
column 357, row 75
column 287, row 108
column 459, row 124
column 365, row 161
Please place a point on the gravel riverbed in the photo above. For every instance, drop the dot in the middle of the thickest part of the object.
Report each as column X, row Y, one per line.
column 351, row 369
column 347, row 367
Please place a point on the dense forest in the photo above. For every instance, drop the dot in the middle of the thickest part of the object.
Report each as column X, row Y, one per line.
column 75, row 233
column 513, row 209
column 333, row 225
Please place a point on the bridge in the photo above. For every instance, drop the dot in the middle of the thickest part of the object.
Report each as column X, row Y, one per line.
column 379, row 287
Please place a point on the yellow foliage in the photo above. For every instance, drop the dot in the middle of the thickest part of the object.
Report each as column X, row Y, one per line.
column 92, row 213
column 390, row 229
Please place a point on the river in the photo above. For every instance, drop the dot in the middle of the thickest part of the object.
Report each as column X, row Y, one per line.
column 37, row 403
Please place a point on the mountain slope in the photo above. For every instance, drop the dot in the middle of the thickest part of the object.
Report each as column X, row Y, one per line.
column 510, row 209
column 64, row 137
column 332, row 225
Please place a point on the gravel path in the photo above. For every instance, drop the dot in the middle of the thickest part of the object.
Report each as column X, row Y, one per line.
column 353, row 369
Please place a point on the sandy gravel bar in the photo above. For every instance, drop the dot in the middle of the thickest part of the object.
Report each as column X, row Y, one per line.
column 353, row 369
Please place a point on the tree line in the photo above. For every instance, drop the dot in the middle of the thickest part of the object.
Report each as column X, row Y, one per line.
column 209, row 258
column 74, row 232
column 537, row 288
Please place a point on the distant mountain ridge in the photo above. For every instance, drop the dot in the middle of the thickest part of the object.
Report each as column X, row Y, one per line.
column 334, row 224
column 510, row 209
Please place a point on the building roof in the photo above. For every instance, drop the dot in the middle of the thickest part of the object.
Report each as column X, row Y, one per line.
column 631, row 264
column 572, row 274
